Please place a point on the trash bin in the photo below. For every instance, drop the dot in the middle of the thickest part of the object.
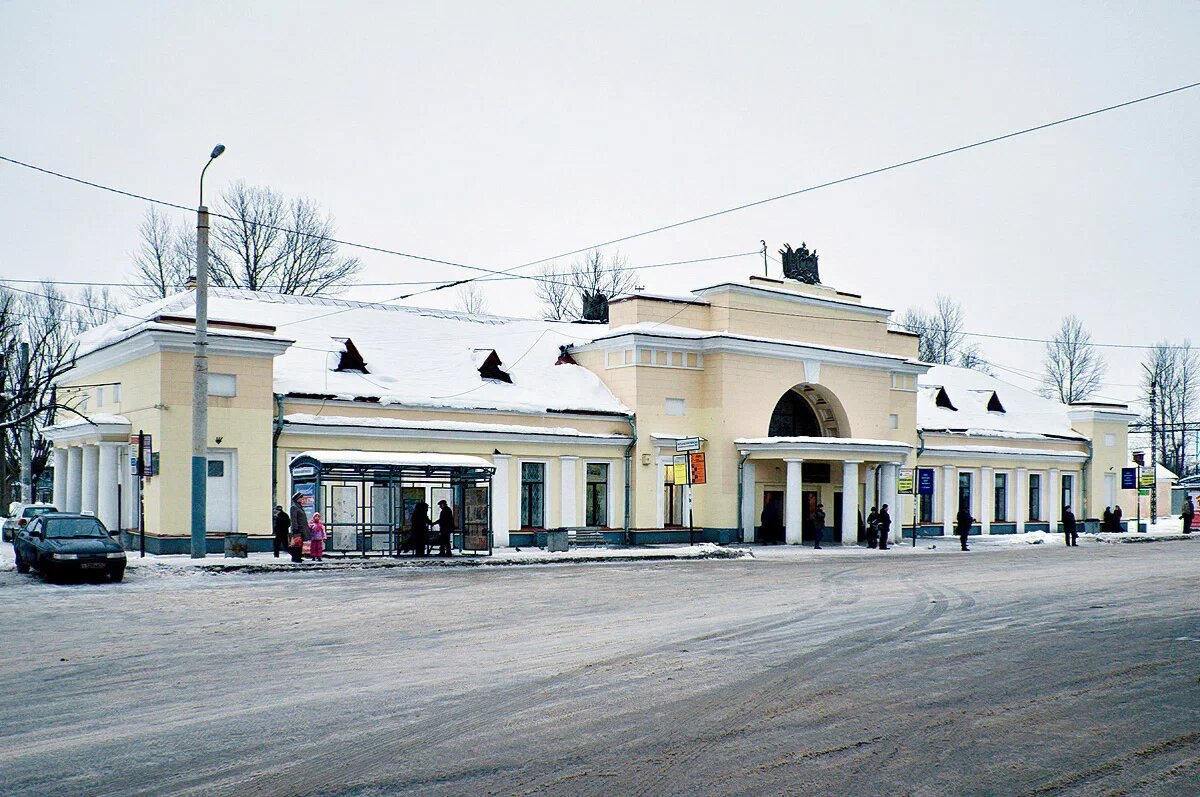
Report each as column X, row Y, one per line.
column 556, row 540
column 237, row 544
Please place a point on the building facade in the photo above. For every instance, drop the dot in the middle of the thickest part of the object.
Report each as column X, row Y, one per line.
column 799, row 395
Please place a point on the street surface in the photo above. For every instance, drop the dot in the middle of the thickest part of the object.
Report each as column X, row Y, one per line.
column 1041, row 671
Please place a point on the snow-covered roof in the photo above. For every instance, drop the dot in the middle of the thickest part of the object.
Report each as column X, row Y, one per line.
column 447, row 426
column 414, row 357
column 1025, row 415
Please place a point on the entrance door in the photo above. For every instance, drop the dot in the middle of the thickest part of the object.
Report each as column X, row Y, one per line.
column 811, row 499
column 220, row 491
column 772, row 517
column 837, row 519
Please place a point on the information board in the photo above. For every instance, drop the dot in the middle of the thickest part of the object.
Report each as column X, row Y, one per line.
column 925, row 481
column 475, row 522
column 904, row 481
column 1128, row 478
column 1146, row 477
column 696, row 463
column 680, row 465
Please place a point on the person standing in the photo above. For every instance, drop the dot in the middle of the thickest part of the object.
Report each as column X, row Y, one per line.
column 1068, row 523
column 280, row 524
column 873, row 528
column 818, row 521
column 1189, row 512
column 1117, row 519
column 445, row 523
column 316, row 532
column 299, row 528
column 963, row 526
column 1106, row 520
column 885, row 527
column 420, row 529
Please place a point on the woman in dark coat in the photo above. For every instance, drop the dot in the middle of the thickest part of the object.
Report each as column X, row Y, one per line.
column 420, row 529
column 873, row 528
column 1117, row 519
column 445, row 523
column 281, row 524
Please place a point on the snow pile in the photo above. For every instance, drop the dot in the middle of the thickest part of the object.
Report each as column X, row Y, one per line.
column 414, row 357
column 1034, row 537
column 1025, row 414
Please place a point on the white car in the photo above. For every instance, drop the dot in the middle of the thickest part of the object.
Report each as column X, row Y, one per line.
column 19, row 514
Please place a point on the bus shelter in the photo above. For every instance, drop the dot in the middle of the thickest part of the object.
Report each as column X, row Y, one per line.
column 367, row 497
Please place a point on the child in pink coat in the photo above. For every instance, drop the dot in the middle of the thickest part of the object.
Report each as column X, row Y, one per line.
column 316, row 531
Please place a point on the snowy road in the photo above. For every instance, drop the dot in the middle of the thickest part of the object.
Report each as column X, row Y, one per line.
column 1050, row 672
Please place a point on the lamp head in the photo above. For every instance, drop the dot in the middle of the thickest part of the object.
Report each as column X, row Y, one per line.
column 217, row 150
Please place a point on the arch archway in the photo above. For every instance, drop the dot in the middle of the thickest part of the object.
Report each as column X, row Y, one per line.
column 808, row 410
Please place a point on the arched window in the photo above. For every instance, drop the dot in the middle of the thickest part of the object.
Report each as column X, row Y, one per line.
column 794, row 417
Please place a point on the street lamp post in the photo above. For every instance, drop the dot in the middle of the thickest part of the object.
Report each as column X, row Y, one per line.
column 200, row 377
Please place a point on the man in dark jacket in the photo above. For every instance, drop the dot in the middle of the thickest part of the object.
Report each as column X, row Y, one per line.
column 818, row 521
column 281, row 524
column 1068, row 521
column 963, row 526
column 445, row 524
column 299, row 529
column 1189, row 512
column 885, row 527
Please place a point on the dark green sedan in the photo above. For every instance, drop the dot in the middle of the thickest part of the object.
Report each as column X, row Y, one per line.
column 60, row 544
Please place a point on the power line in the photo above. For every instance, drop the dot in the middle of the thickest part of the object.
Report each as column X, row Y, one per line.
column 643, row 233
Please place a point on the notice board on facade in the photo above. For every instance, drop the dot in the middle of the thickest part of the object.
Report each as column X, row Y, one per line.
column 904, row 482
column 475, row 521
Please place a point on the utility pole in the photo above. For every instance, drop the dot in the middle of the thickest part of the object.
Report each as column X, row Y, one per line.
column 764, row 254
column 1153, row 448
column 26, row 430
column 200, row 377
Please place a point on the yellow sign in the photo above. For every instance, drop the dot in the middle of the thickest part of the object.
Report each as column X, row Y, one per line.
column 1146, row 477
column 681, row 470
column 904, row 482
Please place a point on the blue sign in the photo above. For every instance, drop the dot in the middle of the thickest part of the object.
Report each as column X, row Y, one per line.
column 1128, row 478
column 924, row 481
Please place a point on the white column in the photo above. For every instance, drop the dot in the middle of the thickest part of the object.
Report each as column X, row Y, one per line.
column 567, row 514
column 987, row 497
column 501, row 518
column 949, row 498
column 106, row 488
column 850, row 503
column 869, row 499
column 748, row 500
column 60, row 478
column 89, row 491
column 890, row 497
column 74, row 479
column 792, row 509
column 1054, row 494
column 1021, row 496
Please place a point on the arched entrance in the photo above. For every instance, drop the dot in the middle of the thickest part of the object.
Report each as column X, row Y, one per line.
column 808, row 411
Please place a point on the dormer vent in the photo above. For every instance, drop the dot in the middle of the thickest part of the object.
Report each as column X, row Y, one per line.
column 994, row 404
column 488, row 363
column 351, row 361
column 942, row 399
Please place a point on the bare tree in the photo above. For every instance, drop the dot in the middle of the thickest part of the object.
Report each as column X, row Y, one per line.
column 555, row 293
column 311, row 265
column 1074, row 369
column 471, row 300
column 247, row 248
column 584, row 291
column 1175, row 371
column 161, row 264
column 941, row 339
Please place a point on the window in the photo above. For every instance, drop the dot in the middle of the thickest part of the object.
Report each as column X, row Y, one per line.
column 222, row 384
column 100, row 396
column 116, row 394
column 1035, row 496
column 1068, row 490
column 1001, row 503
column 904, row 382
column 942, row 399
column 893, row 421
column 964, row 491
column 676, row 406
column 1110, row 440
column 216, row 468
column 596, row 513
column 672, row 499
column 533, row 495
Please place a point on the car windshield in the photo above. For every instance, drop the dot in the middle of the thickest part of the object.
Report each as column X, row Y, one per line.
column 63, row 528
column 34, row 511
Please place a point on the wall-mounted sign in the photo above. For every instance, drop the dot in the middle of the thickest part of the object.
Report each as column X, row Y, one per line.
column 685, row 444
column 1128, row 478
column 925, row 481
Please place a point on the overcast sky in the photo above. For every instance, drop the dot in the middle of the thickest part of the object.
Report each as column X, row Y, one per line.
column 496, row 134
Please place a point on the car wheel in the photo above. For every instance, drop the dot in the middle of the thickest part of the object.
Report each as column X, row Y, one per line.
column 22, row 565
column 48, row 572
column 117, row 574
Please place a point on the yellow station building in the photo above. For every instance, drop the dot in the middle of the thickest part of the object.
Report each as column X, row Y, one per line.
column 798, row 393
